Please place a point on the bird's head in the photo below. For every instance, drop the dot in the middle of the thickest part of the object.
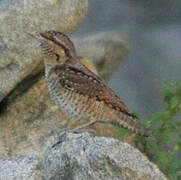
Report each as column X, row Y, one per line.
column 57, row 46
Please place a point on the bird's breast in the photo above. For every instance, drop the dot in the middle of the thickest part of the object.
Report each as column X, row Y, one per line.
column 61, row 96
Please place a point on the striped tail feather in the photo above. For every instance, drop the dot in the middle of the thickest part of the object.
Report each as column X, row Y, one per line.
column 132, row 124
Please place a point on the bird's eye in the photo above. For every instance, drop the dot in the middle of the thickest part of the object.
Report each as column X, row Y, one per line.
column 57, row 57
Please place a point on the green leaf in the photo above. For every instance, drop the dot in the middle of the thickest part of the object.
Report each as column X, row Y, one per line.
column 174, row 102
column 121, row 133
column 155, row 119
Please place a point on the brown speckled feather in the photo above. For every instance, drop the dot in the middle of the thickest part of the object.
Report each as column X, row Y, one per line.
column 79, row 81
column 78, row 91
column 102, row 103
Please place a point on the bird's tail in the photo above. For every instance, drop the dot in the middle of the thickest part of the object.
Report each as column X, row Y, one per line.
column 131, row 123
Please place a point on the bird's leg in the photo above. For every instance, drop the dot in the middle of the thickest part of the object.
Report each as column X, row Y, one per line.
column 77, row 129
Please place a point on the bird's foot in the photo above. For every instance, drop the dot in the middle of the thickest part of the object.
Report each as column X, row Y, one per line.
column 78, row 129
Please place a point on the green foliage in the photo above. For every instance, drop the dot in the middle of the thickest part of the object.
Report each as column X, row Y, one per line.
column 166, row 126
column 121, row 133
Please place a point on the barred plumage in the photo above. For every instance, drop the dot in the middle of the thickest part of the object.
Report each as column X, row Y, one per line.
column 80, row 93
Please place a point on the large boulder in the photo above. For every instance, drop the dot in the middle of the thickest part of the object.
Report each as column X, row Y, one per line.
column 79, row 157
column 24, row 167
column 19, row 56
column 82, row 156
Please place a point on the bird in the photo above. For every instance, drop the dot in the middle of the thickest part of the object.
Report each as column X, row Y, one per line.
column 78, row 91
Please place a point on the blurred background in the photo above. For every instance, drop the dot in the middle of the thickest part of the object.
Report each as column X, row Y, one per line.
column 153, row 30
column 147, row 31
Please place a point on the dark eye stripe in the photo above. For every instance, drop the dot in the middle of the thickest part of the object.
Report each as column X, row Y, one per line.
column 53, row 39
column 57, row 57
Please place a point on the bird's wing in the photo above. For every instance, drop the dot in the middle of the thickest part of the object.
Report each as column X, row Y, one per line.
column 81, row 80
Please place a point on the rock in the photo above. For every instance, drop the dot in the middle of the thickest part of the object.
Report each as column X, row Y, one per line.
column 81, row 156
column 18, row 51
column 24, row 167
column 29, row 117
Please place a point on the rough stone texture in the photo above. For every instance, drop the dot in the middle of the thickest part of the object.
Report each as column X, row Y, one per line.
column 18, row 51
column 29, row 117
column 24, row 167
column 81, row 156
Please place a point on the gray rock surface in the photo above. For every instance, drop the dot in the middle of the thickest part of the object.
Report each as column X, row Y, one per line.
column 24, row 167
column 18, row 52
column 81, row 156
